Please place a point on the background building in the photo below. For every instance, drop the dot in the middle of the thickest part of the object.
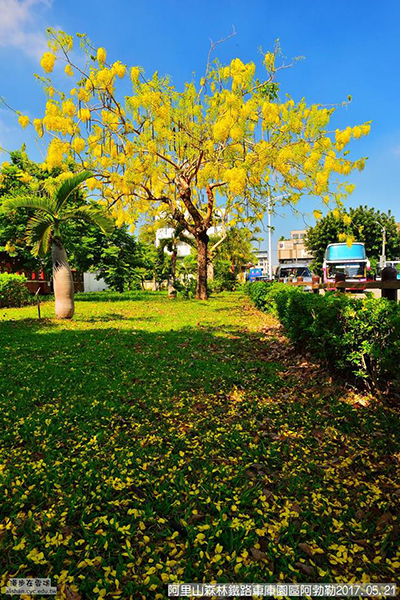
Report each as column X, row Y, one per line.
column 165, row 233
column 262, row 262
column 293, row 249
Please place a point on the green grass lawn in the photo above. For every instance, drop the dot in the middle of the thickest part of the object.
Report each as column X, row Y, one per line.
column 151, row 441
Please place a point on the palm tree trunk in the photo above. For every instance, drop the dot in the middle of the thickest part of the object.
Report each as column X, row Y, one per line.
column 173, row 265
column 62, row 281
column 210, row 270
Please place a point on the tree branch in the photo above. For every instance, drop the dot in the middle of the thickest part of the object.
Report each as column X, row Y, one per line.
column 215, row 44
column 196, row 167
column 211, row 50
column 185, row 194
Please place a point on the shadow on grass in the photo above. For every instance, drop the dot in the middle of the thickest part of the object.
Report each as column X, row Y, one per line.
column 133, row 296
column 106, row 318
column 44, row 361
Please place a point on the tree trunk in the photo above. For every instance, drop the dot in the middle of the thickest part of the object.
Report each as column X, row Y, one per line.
column 202, row 255
column 173, row 266
column 210, row 270
column 62, row 281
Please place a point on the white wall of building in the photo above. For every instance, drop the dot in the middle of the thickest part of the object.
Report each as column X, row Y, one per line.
column 91, row 284
column 183, row 249
column 262, row 261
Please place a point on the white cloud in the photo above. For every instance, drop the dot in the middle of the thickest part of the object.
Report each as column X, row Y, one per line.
column 20, row 27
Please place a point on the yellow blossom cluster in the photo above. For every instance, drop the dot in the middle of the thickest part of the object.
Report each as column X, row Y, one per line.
column 236, row 179
column 38, row 125
column 56, row 152
column 135, row 72
column 83, row 94
column 55, row 121
column 343, row 137
column 241, row 74
column 9, row 247
column 104, row 78
column 269, row 61
column 78, row 144
column 346, row 219
column 119, row 69
column 47, row 62
column 84, row 114
column 270, row 114
column 101, row 55
column 23, row 120
column 69, row 108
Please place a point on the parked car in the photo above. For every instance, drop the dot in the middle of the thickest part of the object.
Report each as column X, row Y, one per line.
column 389, row 263
column 292, row 271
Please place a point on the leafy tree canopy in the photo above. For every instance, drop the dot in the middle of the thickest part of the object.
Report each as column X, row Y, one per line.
column 361, row 224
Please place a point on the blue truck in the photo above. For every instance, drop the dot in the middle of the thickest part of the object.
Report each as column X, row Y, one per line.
column 255, row 274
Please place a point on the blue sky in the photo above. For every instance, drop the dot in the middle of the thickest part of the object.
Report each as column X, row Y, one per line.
column 350, row 47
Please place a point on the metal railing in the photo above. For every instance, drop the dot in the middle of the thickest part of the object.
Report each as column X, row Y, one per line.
column 389, row 284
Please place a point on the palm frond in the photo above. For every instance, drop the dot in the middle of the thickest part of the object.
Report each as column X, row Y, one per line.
column 69, row 186
column 188, row 240
column 43, row 204
column 166, row 243
column 91, row 215
column 38, row 233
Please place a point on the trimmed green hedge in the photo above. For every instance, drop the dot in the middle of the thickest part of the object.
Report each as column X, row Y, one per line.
column 13, row 291
column 358, row 337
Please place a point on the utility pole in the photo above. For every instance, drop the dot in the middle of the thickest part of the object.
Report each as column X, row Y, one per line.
column 269, row 239
column 382, row 261
column 269, row 210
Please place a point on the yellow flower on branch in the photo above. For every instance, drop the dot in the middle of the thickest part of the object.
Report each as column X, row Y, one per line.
column 135, row 72
column 84, row 114
column 78, row 145
column 37, row 123
column 47, row 62
column 23, row 121
column 101, row 55
column 69, row 108
column 69, row 70
column 119, row 69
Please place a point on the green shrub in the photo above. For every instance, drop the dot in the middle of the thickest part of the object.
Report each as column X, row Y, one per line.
column 185, row 289
column 13, row 291
column 224, row 278
column 223, row 285
column 258, row 291
column 358, row 337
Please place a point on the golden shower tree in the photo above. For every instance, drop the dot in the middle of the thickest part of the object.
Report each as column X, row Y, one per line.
column 227, row 141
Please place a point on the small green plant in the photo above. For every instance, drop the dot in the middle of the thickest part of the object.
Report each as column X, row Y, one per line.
column 13, row 291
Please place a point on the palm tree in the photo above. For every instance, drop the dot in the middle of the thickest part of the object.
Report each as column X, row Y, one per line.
column 171, row 244
column 43, row 230
column 237, row 247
